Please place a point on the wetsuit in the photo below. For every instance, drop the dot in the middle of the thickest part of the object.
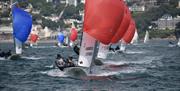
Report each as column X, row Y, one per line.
column 2, row 54
column 64, row 63
column 60, row 64
column 76, row 49
column 117, row 48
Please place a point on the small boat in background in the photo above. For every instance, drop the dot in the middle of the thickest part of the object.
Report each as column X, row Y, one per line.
column 146, row 38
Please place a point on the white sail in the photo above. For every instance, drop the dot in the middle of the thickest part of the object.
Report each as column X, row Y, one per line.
column 47, row 32
column 59, row 44
column 86, row 50
column 18, row 45
column 135, row 38
column 67, row 40
column 123, row 46
column 146, row 38
column 71, row 44
column 103, row 51
column 178, row 44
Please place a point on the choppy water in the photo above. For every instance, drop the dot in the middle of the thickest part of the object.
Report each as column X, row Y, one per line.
column 147, row 67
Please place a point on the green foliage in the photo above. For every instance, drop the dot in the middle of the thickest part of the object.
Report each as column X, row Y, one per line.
column 159, row 33
column 143, row 20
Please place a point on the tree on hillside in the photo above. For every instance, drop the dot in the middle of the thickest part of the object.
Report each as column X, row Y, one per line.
column 143, row 20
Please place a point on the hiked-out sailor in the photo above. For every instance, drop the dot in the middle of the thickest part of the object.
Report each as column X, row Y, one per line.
column 76, row 49
column 6, row 55
column 70, row 63
column 114, row 48
column 62, row 63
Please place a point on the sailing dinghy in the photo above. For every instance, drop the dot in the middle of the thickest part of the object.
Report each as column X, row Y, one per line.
column 60, row 39
column 178, row 44
column 146, row 38
column 22, row 24
column 98, row 27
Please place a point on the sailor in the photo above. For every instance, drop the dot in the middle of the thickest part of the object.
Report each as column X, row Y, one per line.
column 76, row 49
column 117, row 48
column 8, row 54
column 70, row 62
column 60, row 62
column 111, row 49
column 64, row 44
column 2, row 54
column 171, row 43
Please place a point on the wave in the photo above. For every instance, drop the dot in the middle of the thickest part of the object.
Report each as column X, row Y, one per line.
column 2, row 58
column 32, row 58
column 43, row 46
column 54, row 73
column 146, row 60
column 50, row 66
column 134, row 52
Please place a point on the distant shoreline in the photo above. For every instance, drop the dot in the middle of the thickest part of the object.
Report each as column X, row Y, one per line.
column 40, row 41
column 55, row 41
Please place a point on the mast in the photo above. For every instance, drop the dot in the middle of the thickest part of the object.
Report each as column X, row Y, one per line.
column 94, row 56
column 11, row 3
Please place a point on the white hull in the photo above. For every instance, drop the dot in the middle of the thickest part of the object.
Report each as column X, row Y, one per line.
column 67, row 40
column 18, row 46
column 146, row 38
column 86, row 50
column 103, row 51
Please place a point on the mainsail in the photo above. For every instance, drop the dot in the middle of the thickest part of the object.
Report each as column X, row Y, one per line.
column 22, row 24
column 135, row 38
column 86, row 50
column 146, row 38
column 103, row 50
column 47, row 32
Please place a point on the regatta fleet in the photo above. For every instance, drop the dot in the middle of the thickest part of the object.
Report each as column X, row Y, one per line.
column 106, row 24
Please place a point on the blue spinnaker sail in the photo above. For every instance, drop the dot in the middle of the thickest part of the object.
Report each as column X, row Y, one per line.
column 22, row 24
column 60, row 37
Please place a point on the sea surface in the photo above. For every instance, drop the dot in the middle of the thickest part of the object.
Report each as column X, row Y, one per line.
column 154, row 66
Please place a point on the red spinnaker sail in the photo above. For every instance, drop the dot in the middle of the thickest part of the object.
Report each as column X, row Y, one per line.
column 123, row 27
column 128, row 36
column 33, row 38
column 103, row 18
column 74, row 34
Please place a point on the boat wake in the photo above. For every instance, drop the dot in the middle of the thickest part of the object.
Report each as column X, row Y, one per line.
column 2, row 58
column 44, row 47
column 50, row 66
column 32, row 58
column 146, row 60
column 54, row 73
column 134, row 52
